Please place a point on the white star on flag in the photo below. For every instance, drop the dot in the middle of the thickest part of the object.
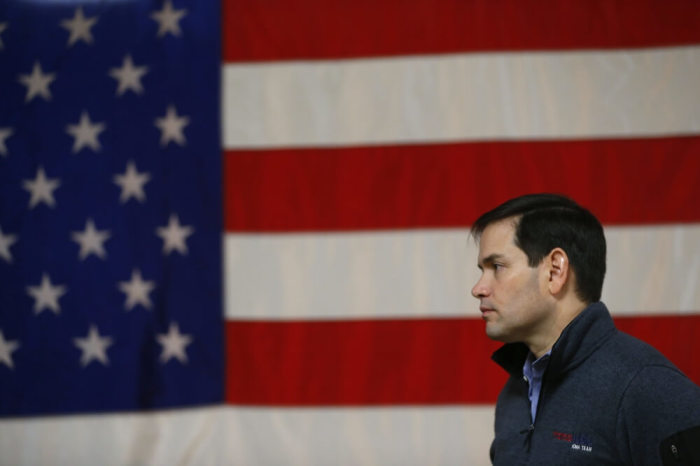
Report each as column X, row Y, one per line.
column 172, row 127
column 3, row 26
column 7, row 347
column 91, row 240
column 168, row 19
column 41, row 189
column 174, row 235
column 46, row 295
column 129, row 76
column 93, row 346
column 6, row 240
column 85, row 133
column 137, row 290
column 79, row 27
column 4, row 134
column 37, row 83
column 132, row 183
column 174, row 344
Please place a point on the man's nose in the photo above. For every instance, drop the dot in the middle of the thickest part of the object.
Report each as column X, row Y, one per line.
column 480, row 289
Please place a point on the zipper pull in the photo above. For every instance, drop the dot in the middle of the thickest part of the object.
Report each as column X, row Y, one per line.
column 529, row 429
column 528, row 438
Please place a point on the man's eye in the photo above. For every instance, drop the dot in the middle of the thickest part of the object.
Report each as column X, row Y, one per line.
column 497, row 267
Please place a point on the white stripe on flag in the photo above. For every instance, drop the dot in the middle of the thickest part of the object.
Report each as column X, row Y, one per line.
column 534, row 95
column 429, row 273
column 445, row 435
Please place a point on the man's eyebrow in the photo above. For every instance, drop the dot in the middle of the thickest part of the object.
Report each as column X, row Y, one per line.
column 490, row 259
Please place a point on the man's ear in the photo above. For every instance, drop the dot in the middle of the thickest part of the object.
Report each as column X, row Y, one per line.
column 559, row 272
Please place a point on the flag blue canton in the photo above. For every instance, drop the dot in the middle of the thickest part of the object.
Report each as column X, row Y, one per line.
column 110, row 206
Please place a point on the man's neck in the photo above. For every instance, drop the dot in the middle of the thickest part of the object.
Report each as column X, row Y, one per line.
column 543, row 343
column 538, row 352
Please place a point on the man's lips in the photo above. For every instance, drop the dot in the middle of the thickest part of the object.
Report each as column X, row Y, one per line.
column 485, row 310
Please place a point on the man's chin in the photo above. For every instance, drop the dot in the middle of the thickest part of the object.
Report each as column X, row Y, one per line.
column 493, row 332
column 497, row 333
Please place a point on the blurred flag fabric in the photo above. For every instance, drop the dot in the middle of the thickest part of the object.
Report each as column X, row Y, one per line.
column 238, row 233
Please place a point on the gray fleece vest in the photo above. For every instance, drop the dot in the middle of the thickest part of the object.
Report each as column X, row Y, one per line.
column 607, row 399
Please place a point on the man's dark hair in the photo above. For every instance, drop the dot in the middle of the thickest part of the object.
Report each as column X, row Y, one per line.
column 548, row 221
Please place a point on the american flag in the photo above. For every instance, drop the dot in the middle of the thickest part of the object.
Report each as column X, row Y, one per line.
column 295, row 286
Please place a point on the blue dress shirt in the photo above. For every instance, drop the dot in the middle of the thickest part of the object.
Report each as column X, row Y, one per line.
column 533, row 371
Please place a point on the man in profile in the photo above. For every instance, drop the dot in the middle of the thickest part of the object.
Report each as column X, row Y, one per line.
column 579, row 392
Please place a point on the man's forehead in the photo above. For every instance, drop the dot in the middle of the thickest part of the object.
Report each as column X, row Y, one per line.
column 502, row 231
column 497, row 239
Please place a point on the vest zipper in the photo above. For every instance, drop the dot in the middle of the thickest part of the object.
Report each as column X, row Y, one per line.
column 528, row 438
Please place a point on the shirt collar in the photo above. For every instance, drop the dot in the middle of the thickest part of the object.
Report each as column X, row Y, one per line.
column 534, row 368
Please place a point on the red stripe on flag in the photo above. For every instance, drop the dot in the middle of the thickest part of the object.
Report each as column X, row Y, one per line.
column 622, row 181
column 394, row 362
column 361, row 362
column 282, row 30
